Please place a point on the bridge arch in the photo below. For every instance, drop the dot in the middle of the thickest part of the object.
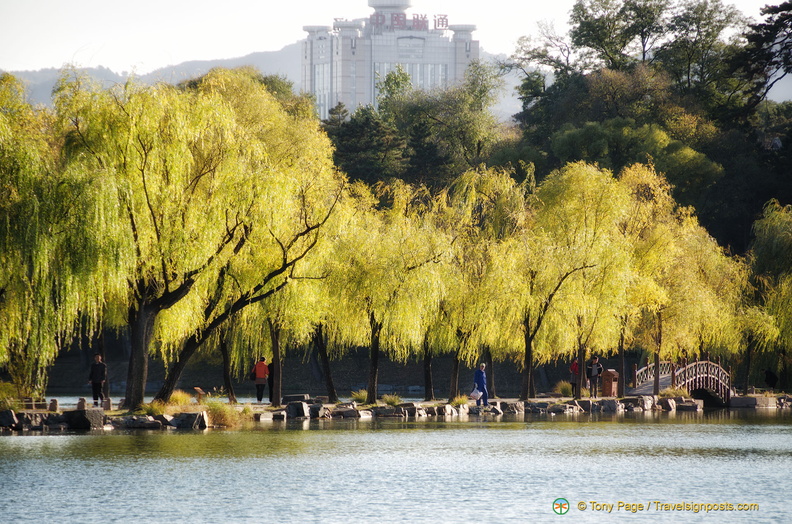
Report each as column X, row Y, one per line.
column 703, row 379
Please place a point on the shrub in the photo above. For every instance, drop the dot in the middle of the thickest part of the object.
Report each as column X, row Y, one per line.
column 564, row 388
column 360, row 396
column 674, row 392
column 8, row 398
column 392, row 400
column 222, row 414
column 156, row 407
column 180, row 398
column 459, row 400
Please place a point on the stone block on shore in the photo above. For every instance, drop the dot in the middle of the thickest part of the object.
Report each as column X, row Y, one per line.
column 8, row 419
column 298, row 409
column 687, row 405
column 199, row 420
column 319, row 411
column 389, row 411
column 165, row 420
column 302, row 397
column 609, row 405
column 346, row 413
column 668, row 404
column 85, row 418
column 446, row 410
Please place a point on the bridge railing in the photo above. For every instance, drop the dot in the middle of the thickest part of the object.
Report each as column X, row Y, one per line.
column 699, row 374
column 647, row 373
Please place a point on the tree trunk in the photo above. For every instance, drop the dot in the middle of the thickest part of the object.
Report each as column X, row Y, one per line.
column 748, row 356
column 376, row 327
column 783, row 372
column 229, row 384
column 656, row 388
column 100, row 348
column 622, row 361
column 527, row 389
column 427, row 364
column 141, row 327
column 453, row 390
column 277, row 367
column 659, row 343
column 582, row 379
column 321, row 348
column 174, row 373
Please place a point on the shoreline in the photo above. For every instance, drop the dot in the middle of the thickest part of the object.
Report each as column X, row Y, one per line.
column 212, row 415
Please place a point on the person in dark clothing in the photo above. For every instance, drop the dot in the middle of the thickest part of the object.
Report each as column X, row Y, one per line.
column 97, row 378
column 594, row 370
column 261, row 371
column 770, row 379
column 480, row 381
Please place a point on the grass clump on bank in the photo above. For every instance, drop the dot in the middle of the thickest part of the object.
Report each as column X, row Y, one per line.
column 180, row 398
column 153, row 408
column 391, row 400
column 459, row 400
column 222, row 414
column 359, row 396
column 674, row 392
column 563, row 388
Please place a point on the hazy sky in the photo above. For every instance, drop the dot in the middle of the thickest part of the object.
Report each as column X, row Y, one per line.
column 143, row 35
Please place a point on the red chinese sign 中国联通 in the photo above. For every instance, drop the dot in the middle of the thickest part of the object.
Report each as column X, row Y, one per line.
column 399, row 21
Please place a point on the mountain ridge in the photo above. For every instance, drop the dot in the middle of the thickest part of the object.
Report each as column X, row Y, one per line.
column 285, row 62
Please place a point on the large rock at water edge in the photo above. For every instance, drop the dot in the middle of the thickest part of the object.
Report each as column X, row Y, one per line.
column 84, row 418
column 8, row 419
column 298, row 409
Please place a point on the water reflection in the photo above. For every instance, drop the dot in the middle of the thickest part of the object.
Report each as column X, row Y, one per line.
column 396, row 470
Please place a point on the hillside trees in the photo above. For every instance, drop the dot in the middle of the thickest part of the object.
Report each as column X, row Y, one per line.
column 770, row 257
column 422, row 137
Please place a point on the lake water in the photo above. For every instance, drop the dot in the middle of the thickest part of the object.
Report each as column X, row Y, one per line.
column 473, row 469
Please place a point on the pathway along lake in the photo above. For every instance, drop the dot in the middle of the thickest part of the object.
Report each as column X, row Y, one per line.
column 471, row 469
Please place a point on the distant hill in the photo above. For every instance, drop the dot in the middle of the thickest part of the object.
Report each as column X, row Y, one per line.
column 285, row 62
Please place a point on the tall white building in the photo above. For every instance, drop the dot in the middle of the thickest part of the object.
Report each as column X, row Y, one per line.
column 343, row 62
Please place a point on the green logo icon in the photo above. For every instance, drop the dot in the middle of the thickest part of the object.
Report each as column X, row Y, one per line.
column 560, row 506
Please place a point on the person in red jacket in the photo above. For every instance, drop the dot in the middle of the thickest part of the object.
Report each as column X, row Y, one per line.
column 261, row 372
column 574, row 374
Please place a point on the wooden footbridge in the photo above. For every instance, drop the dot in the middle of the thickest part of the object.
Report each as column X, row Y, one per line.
column 700, row 378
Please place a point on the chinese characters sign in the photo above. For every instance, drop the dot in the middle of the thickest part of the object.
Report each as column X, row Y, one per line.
column 400, row 21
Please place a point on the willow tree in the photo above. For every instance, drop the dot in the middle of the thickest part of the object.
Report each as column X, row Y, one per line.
column 193, row 175
column 540, row 272
column 383, row 282
column 52, row 274
column 586, row 208
column 699, row 306
column 480, row 210
column 771, row 271
column 289, row 191
column 648, row 228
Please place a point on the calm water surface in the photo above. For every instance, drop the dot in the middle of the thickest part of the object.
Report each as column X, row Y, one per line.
column 462, row 470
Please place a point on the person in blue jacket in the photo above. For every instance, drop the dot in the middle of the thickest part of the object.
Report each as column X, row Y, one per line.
column 480, row 380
